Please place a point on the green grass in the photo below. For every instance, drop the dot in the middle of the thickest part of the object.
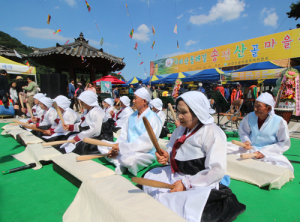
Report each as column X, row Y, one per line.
column 43, row 195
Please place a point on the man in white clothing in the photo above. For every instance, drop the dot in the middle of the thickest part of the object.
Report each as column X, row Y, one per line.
column 264, row 133
column 156, row 105
column 133, row 149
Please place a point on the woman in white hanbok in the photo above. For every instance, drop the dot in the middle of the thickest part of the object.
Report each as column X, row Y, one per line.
column 197, row 157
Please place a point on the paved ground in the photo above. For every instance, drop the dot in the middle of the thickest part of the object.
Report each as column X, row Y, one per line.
column 294, row 126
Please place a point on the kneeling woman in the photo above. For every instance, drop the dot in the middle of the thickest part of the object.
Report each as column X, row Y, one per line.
column 90, row 126
column 56, row 132
column 47, row 119
column 197, row 157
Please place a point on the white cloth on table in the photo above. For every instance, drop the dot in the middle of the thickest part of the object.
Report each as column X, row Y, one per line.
column 70, row 117
column 134, row 155
column 123, row 116
column 93, row 119
column 273, row 153
column 210, row 142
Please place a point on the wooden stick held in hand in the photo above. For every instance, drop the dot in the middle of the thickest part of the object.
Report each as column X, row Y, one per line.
column 33, row 128
column 21, row 100
column 247, row 155
column 152, row 135
column 29, row 109
column 90, row 157
column 172, row 111
column 238, row 143
column 59, row 112
column 117, row 104
column 97, row 142
column 20, row 123
column 56, row 142
column 151, row 183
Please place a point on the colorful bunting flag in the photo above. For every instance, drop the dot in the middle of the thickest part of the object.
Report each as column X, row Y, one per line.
column 67, row 42
column 136, row 45
column 27, row 63
column 101, row 42
column 177, row 45
column 57, row 31
column 127, row 9
column 145, row 71
column 118, row 73
column 175, row 29
column 138, row 55
column 88, row 65
column 48, row 20
column 131, row 33
column 152, row 44
column 88, row 6
column 156, row 56
column 82, row 58
column 141, row 63
column 84, row 61
column 17, row 54
column 97, row 25
column 153, row 30
column 113, row 65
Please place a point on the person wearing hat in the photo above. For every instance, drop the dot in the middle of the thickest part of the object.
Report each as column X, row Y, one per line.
column 47, row 119
column 123, row 114
column 56, row 131
column 156, row 105
column 37, row 111
column 108, row 104
column 196, row 161
column 133, row 149
column 89, row 127
column 264, row 133
column 220, row 88
column 71, row 92
column 236, row 93
column 4, row 88
column 31, row 90
column 78, row 91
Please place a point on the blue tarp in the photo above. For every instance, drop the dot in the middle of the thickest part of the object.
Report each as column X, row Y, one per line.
column 146, row 81
column 129, row 81
column 209, row 75
column 259, row 66
column 171, row 78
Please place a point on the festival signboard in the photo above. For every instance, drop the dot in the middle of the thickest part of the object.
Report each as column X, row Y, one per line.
column 252, row 75
column 276, row 46
column 105, row 87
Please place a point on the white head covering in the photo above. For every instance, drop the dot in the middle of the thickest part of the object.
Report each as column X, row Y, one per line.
column 109, row 101
column 46, row 101
column 267, row 98
column 89, row 98
column 38, row 96
column 125, row 100
column 62, row 101
column 157, row 103
column 199, row 104
column 143, row 93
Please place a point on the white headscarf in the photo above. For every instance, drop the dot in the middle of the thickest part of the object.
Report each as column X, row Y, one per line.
column 143, row 93
column 88, row 97
column 46, row 101
column 109, row 101
column 38, row 96
column 125, row 100
column 199, row 104
column 157, row 103
column 267, row 98
column 62, row 101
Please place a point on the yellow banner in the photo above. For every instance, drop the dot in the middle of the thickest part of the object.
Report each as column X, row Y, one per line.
column 281, row 45
column 252, row 75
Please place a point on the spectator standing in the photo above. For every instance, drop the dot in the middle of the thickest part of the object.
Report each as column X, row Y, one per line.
column 71, row 93
column 227, row 93
column 220, row 88
column 140, row 85
column 3, row 83
column 130, row 91
column 78, row 91
column 115, row 93
column 237, row 93
column 31, row 90
column 201, row 88
column 148, row 87
column 13, row 92
column 90, row 87
column 155, row 93
column 20, row 83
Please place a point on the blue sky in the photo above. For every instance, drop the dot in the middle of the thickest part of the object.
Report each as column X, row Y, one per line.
column 201, row 25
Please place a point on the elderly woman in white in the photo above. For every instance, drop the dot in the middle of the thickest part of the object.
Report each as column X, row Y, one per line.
column 197, row 157
column 123, row 114
column 156, row 105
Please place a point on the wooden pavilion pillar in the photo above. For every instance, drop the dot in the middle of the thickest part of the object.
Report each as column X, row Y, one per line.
column 92, row 74
column 72, row 73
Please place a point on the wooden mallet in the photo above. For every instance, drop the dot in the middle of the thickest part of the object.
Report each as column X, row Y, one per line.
column 151, row 183
column 56, row 142
column 29, row 109
column 21, row 100
column 117, row 104
column 33, row 128
column 90, row 157
column 172, row 111
column 152, row 135
column 19, row 123
column 59, row 112
column 238, row 143
column 247, row 155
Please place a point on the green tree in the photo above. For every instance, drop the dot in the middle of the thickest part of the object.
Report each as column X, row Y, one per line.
column 295, row 12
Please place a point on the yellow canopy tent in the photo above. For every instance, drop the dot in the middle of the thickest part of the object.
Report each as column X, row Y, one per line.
column 13, row 67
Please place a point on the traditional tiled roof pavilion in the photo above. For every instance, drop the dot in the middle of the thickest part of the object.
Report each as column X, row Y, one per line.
column 67, row 58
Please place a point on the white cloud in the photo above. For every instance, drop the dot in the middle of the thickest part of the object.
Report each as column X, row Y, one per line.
column 225, row 9
column 142, row 33
column 271, row 17
column 190, row 42
column 56, row 7
column 71, row 2
column 191, row 11
column 180, row 16
column 174, row 54
column 245, row 15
